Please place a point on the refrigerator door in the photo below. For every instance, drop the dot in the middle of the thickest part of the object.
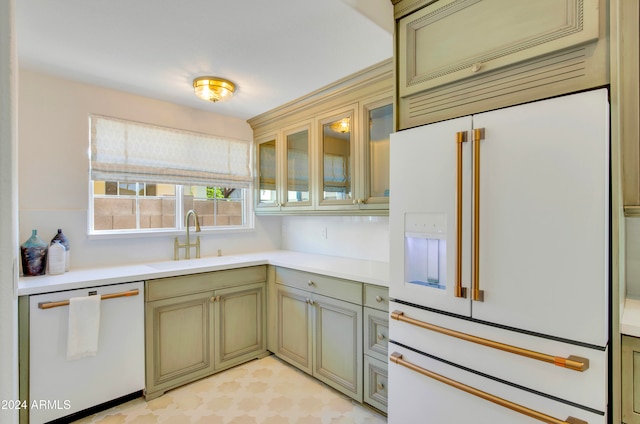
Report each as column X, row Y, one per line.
column 432, row 391
column 543, row 217
column 425, row 205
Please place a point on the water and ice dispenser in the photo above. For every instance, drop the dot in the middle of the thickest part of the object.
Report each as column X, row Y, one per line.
column 425, row 247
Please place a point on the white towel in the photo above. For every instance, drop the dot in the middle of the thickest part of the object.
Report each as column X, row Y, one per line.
column 84, row 327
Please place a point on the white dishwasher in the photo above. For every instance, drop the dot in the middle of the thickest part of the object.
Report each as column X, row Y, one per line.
column 59, row 387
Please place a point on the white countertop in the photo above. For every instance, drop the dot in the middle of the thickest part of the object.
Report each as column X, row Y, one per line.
column 630, row 324
column 371, row 272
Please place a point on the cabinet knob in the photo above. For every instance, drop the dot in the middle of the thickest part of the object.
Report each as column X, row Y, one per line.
column 380, row 386
column 311, row 302
column 380, row 336
column 476, row 67
column 379, row 299
column 310, row 283
column 213, row 299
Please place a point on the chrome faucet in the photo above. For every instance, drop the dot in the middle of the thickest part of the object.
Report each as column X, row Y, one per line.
column 187, row 246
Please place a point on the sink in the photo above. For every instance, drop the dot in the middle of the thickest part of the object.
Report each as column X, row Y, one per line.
column 187, row 264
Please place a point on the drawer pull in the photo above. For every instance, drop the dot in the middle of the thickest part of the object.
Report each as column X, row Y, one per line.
column 380, row 336
column 380, row 386
column 574, row 363
column 379, row 299
column 311, row 283
column 396, row 358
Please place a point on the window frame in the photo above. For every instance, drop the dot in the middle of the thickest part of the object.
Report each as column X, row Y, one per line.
column 247, row 187
column 248, row 212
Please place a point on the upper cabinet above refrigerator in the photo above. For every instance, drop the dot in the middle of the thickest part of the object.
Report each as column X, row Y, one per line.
column 458, row 57
column 503, row 217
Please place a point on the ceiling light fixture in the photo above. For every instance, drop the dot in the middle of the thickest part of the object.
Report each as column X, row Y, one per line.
column 213, row 89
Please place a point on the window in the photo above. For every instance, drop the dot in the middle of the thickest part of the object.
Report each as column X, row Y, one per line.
column 145, row 178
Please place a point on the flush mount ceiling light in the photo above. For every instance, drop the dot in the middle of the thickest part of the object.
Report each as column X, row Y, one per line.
column 341, row 126
column 213, row 89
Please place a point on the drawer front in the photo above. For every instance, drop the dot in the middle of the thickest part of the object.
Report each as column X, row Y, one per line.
column 376, row 297
column 375, row 383
column 376, row 333
column 164, row 288
column 446, row 403
column 347, row 290
column 587, row 388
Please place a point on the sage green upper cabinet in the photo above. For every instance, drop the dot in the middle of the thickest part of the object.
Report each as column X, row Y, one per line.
column 377, row 119
column 267, row 171
column 327, row 152
column 457, row 57
column 337, row 155
column 298, row 180
column 626, row 90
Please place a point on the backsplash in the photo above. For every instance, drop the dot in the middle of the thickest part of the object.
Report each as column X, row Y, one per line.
column 632, row 247
column 359, row 237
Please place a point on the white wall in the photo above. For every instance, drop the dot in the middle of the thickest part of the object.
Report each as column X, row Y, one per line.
column 8, row 212
column 54, row 163
column 359, row 237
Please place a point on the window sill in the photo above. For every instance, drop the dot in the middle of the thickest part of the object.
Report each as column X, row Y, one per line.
column 124, row 234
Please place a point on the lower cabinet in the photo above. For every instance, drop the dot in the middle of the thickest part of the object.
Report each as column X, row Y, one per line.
column 376, row 337
column 333, row 329
column 630, row 380
column 322, row 336
column 191, row 335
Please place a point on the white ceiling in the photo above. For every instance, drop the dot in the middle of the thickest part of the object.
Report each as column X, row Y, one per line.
column 274, row 50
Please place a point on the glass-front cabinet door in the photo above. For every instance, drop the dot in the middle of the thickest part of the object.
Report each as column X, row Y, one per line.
column 337, row 135
column 267, row 196
column 298, row 169
column 377, row 123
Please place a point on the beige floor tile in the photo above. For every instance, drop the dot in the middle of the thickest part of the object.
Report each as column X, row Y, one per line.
column 264, row 391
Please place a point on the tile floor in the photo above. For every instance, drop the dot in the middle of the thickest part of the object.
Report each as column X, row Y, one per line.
column 265, row 391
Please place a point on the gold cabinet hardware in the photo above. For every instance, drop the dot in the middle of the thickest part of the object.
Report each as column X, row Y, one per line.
column 476, row 293
column 572, row 362
column 460, row 291
column 397, row 358
column 380, row 386
column 49, row 305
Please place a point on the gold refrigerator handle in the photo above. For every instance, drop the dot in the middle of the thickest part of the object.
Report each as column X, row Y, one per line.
column 575, row 363
column 460, row 291
column 476, row 293
column 396, row 358
column 49, row 305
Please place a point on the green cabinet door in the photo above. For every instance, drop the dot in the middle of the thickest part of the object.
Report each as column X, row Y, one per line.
column 337, row 349
column 240, row 325
column 293, row 327
column 180, row 334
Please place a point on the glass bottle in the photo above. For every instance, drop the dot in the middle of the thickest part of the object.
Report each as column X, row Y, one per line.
column 34, row 255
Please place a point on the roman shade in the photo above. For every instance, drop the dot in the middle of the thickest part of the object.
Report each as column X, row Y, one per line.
column 129, row 151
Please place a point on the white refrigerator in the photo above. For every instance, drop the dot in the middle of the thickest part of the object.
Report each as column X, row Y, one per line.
column 499, row 254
